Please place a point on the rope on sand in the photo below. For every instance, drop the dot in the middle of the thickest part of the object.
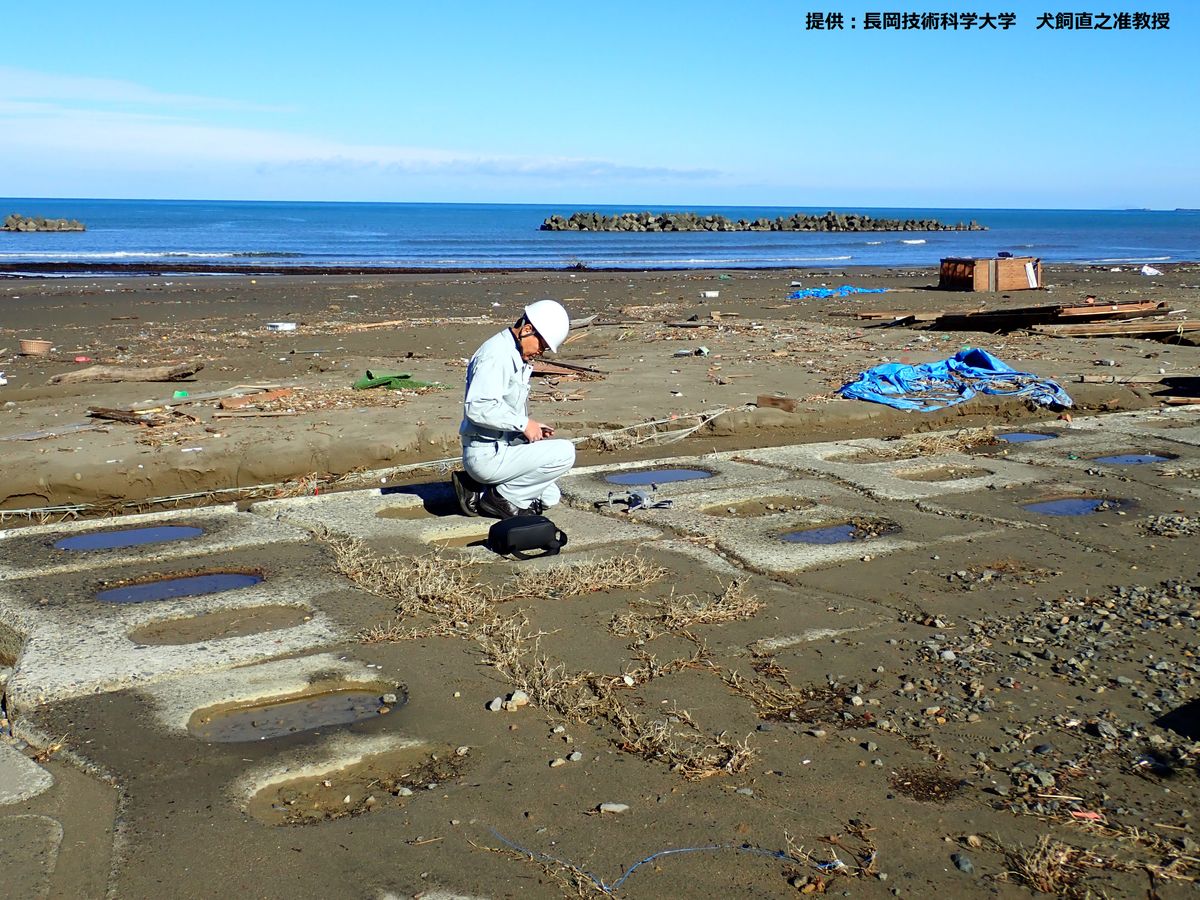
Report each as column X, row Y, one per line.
column 314, row 484
column 607, row 888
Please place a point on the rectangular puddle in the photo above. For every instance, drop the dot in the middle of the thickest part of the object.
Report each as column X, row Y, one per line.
column 217, row 626
column 645, row 477
column 185, row 586
column 281, row 718
column 1074, row 506
column 128, row 537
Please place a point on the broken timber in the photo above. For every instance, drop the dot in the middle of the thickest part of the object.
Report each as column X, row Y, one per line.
column 999, row 321
column 541, row 367
column 118, row 373
column 1157, row 328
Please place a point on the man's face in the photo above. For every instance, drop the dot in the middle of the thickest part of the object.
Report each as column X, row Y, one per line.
column 531, row 343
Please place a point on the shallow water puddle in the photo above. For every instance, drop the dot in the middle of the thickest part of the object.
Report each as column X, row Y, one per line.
column 1072, row 506
column 1133, row 459
column 215, row 626
column 657, row 476
column 1025, row 437
column 842, row 533
column 185, row 586
column 129, row 537
column 830, row 534
column 265, row 721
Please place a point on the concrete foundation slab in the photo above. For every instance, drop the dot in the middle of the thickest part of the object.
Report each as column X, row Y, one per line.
column 758, row 542
column 31, row 845
column 865, row 465
column 20, row 777
column 81, row 646
column 405, row 513
column 1115, row 527
column 25, row 551
column 175, row 701
column 1179, row 424
column 586, row 486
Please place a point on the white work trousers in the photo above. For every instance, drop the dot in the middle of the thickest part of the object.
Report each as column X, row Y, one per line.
column 521, row 472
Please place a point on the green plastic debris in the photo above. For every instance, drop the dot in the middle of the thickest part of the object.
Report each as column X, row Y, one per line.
column 179, row 395
column 393, row 381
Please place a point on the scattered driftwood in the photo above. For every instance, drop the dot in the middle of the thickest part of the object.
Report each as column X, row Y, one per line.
column 543, row 368
column 259, row 397
column 94, row 374
column 1152, row 328
column 153, row 420
column 168, row 403
column 1036, row 318
column 253, row 413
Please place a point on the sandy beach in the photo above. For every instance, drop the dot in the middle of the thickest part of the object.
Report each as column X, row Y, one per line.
column 967, row 698
column 758, row 342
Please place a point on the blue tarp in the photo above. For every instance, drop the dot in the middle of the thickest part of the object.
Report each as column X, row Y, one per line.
column 940, row 384
column 824, row 293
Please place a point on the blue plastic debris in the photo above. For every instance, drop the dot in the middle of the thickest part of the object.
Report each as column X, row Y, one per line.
column 824, row 293
column 947, row 382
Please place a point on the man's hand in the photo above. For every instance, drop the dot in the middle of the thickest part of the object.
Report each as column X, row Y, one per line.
column 535, row 431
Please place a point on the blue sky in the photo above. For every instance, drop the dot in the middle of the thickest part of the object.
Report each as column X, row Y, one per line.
column 645, row 103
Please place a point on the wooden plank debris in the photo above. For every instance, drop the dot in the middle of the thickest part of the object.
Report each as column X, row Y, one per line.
column 119, row 415
column 1159, row 328
column 1051, row 319
column 94, row 374
column 541, row 367
column 253, row 413
column 235, row 391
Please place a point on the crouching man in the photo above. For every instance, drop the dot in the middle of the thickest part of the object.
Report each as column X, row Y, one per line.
column 512, row 462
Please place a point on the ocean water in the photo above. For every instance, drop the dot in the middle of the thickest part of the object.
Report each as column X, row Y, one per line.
column 250, row 235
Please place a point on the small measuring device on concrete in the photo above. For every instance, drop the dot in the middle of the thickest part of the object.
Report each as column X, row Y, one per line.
column 636, row 500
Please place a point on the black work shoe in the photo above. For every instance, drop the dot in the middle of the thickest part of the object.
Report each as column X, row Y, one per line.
column 468, row 491
column 492, row 503
column 534, row 509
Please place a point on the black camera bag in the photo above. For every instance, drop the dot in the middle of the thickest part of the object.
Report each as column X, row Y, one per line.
column 521, row 534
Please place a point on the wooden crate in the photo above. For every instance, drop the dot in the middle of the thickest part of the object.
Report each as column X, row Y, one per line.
column 1006, row 273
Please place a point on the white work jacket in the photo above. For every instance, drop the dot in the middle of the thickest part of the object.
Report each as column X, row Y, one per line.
column 497, row 393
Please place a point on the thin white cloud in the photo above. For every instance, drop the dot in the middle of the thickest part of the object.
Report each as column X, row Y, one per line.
column 45, row 132
column 28, row 85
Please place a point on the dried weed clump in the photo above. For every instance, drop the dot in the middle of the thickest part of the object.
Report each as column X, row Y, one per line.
column 585, row 697
column 674, row 614
column 574, row 579
column 936, row 444
column 442, row 587
column 447, row 590
column 1052, row 867
column 782, row 701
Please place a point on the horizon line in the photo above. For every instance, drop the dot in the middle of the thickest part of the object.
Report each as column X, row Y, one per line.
column 639, row 207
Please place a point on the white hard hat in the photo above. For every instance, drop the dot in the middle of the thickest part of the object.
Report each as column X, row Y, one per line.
column 549, row 320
